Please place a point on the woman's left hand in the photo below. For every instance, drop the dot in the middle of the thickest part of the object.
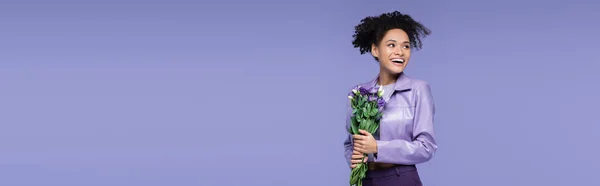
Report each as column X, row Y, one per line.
column 365, row 143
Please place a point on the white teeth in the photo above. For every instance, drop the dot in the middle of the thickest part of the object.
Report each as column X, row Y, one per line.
column 398, row 60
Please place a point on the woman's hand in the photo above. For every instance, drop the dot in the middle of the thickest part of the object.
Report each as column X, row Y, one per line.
column 365, row 143
column 357, row 157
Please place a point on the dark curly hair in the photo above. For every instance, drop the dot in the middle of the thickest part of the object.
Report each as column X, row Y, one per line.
column 371, row 30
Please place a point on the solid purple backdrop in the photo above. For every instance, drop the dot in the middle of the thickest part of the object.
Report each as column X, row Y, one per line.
column 253, row 93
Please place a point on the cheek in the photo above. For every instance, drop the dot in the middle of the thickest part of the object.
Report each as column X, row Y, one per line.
column 389, row 51
column 384, row 55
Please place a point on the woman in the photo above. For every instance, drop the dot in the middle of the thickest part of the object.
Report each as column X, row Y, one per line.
column 405, row 136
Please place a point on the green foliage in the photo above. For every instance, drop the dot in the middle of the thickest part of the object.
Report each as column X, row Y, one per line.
column 365, row 115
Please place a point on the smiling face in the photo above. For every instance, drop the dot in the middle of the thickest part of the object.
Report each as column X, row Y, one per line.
column 393, row 52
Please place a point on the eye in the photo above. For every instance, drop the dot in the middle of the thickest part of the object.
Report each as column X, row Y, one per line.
column 392, row 45
column 406, row 46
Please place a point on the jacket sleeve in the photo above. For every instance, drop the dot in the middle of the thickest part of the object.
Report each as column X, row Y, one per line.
column 423, row 145
column 348, row 145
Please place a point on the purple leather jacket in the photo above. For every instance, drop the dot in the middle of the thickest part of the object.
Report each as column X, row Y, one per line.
column 405, row 134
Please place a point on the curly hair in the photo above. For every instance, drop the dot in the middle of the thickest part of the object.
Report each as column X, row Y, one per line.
column 372, row 29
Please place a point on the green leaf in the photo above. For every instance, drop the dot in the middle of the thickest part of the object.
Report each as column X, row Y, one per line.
column 360, row 101
column 370, row 125
column 362, row 125
column 372, row 128
column 354, row 126
column 364, row 112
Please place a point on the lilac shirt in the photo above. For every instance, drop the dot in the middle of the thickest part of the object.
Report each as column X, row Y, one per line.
column 405, row 134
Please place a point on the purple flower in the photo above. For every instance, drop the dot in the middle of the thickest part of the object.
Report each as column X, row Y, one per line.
column 363, row 90
column 374, row 90
column 372, row 97
column 380, row 103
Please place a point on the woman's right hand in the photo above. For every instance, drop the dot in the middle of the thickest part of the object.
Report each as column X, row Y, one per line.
column 357, row 157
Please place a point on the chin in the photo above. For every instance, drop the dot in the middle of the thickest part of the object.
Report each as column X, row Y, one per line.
column 396, row 70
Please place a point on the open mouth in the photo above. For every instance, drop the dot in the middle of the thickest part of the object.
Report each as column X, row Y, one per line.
column 398, row 60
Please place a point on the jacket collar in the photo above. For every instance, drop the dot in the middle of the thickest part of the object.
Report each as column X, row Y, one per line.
column 402, row 83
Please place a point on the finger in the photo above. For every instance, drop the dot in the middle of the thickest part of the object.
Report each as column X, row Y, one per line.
column 366, row 159
column 358, row 148
column 359, row 142
column 358, row 145
column 361, row 138
column 353, row 166
column 358, row 136
column 364, row 132
column 357, row 156
column 356, row 161
column 361, row 150
column 355, row 152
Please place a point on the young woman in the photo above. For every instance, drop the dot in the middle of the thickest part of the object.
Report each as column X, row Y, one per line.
column 405, row 136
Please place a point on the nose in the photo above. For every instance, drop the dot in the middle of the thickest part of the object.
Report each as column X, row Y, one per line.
column 400, row 52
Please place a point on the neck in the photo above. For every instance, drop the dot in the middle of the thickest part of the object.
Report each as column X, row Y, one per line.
column 386, row 78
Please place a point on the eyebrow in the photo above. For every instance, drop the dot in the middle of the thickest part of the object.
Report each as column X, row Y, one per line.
column 397, row 41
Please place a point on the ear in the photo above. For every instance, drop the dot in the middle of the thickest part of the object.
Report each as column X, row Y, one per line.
column 374, row 50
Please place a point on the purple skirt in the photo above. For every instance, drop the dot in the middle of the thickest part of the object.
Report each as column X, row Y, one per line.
column 403, row 175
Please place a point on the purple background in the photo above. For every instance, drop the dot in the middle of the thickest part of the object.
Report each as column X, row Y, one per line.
column 253, row 92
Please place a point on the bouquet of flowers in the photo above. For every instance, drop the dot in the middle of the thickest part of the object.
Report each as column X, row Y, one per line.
column 367, row 106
